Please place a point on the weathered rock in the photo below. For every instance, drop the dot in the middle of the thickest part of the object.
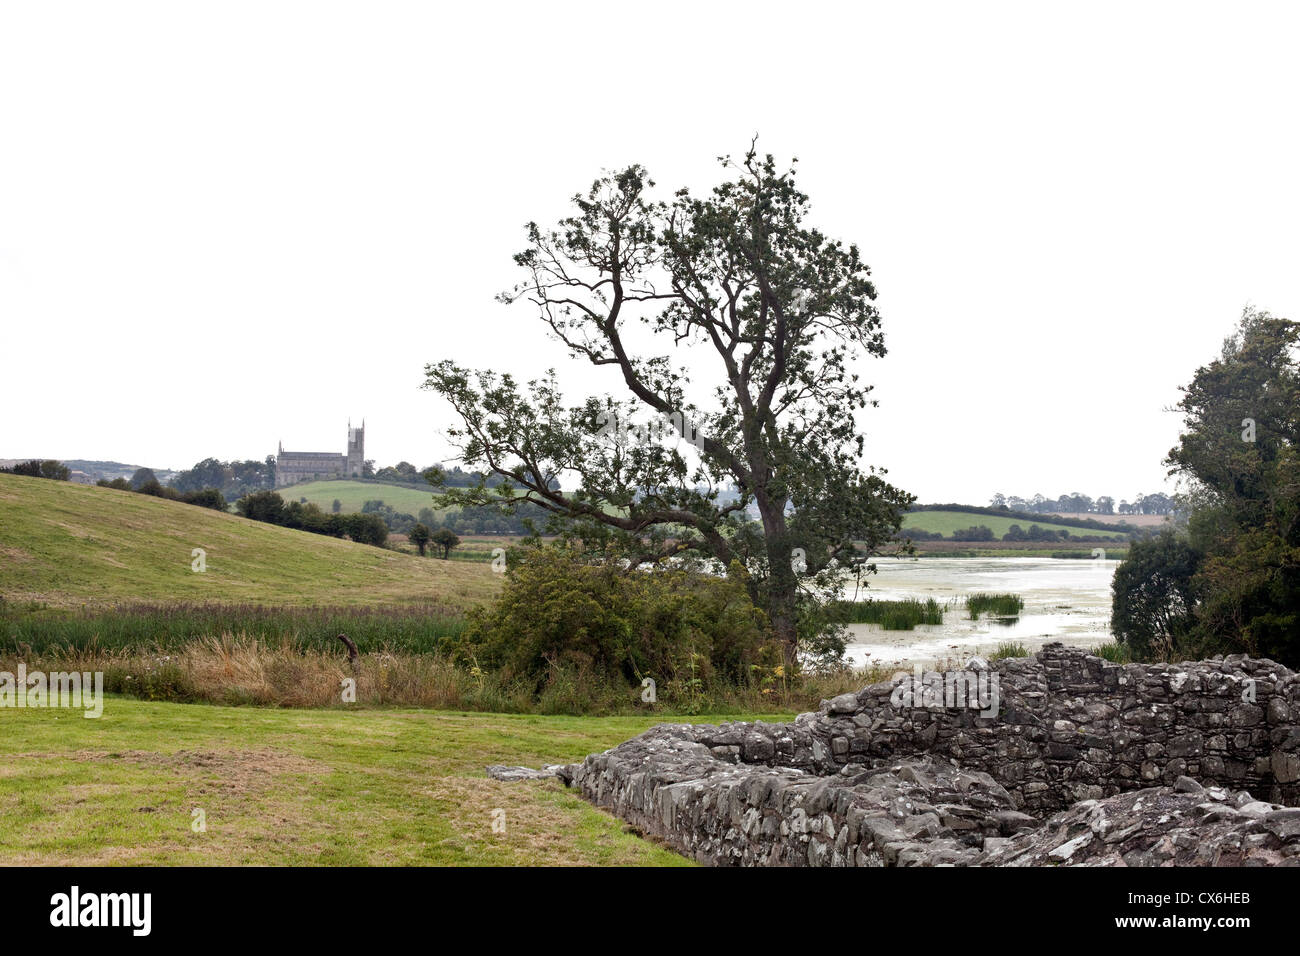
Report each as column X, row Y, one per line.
column 867, row 781
column 502, row 772
column 1156, row 827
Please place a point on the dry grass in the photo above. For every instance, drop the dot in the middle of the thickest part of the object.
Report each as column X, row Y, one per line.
column 239, row 670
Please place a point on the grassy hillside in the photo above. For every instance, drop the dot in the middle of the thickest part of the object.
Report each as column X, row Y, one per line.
column 353, row 494
column 303, row 787
column 67, row 545
column 946, row 522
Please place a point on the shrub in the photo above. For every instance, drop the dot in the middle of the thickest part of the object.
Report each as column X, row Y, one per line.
column 262, row 506
column 557, row 611
column 205, row 498
column 366, row 528
column 1153, row 596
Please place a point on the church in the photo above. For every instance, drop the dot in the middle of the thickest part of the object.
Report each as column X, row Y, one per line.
column 292, row 467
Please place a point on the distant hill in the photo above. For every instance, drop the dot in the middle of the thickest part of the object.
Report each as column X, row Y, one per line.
column 107, row 470
column 67, row 545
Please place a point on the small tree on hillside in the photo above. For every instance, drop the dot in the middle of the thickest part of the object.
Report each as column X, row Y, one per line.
column 142, row 477
column 420, row 537
column 446, row 539
column 366, row 529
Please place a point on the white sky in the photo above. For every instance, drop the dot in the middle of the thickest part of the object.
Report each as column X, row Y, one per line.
column 226, row 224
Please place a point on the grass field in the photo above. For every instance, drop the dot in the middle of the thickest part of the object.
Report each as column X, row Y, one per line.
column 946, row 522
column 302, row 787
column 353, row 494
column 67, row 545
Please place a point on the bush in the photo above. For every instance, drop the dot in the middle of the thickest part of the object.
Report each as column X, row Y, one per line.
column 262, row 506
column 1153, row 598
column 366, row 528
column 205, row 498
column 558, row 612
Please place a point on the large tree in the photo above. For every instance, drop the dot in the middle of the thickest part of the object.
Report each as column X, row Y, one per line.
column 771, row 318
column 1240, row 457
column 1230, row 581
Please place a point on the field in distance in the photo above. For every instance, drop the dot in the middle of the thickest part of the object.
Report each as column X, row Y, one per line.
column 68, row 545
column 946, row 522
column 353, row 494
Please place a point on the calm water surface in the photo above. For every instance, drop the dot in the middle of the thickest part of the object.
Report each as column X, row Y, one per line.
column 1065, row 600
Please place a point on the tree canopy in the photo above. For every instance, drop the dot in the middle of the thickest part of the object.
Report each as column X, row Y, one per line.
column 735, row 332
column 1234, row 584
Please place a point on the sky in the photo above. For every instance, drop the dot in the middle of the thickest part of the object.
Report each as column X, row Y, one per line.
column 228, row 225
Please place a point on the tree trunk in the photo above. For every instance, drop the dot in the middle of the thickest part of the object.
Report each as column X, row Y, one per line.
column 782, row 584
column 783, row 613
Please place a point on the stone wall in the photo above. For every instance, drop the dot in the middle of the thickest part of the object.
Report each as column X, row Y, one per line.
column 870, row 779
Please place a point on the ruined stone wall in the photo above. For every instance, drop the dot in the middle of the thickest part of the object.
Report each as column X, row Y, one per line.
column 867, row 780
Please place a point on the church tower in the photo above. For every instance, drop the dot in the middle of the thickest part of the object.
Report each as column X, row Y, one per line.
column 356, row 449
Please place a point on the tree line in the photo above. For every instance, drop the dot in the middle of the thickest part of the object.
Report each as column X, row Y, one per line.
column 1013, row 533
column 269, row 507
column 145, row 482
column 40, row 468
column 1155, row 504
column 1227, row 579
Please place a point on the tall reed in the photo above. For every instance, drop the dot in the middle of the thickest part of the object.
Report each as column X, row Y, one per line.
column 994, row 605
column 900, row 615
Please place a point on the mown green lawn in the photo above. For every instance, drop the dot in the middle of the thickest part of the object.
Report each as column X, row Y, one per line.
column 302, row 787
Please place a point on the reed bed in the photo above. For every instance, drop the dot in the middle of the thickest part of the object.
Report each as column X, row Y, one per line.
column 901, row 615
column 171, row 627
column 994, row 605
